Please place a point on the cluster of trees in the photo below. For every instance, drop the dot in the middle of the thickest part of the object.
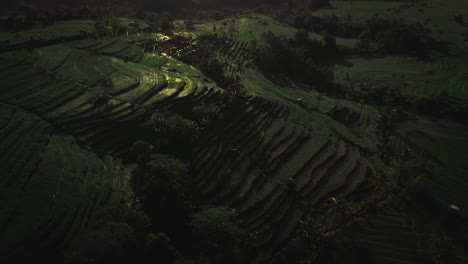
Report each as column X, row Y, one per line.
column 331, row 25
column 301, row 58
column 391, row 35
column 173, row 226
column 441, row 105
column 219, row 4
column 109, row 25
column 161, row 183
column 396, row 36
column 212, row 235
column 113, row 235
column 221, row 239
column 159, row 21
column 173, row 133
column 27, row 17
column 203, row 14
column 180, row 229
column 204, row 58
column 292, row 5
column 165, row 223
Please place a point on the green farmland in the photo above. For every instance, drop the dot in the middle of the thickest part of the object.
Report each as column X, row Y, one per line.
column 186, row 136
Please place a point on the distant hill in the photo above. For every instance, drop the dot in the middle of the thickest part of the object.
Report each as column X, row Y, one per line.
column 167, row 3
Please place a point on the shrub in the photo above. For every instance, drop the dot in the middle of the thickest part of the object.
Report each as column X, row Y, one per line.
column 219, row 236
column 301, row 58
column 165, row 192
column 140, row 151
column 159, row 249
column 106, row 244
column 165, row 174
column 207, row 45
column 207, row 113
column 138, row 220
column 179, row 126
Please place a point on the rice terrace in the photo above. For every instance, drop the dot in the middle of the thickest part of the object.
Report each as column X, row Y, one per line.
column 207, row 132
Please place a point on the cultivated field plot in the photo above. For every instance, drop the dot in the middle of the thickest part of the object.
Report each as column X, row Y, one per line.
column 446, row 142
column 87, row 90
column 270, row 165
column 389, row 236
column 356, row 122
column 50, row 186
column 57, row 102
column 449, row 74
column 94, row 94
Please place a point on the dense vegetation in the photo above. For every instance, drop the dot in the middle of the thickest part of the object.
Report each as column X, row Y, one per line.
column 300, row 58
column 301, row 131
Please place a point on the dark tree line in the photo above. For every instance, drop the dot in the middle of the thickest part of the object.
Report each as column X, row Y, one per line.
column 206, row 60
column 27, row 17
column 392, row 35
column 300, row 58
column 397, row 36
column 332, row 25
column 165, row 223
column 172, row 4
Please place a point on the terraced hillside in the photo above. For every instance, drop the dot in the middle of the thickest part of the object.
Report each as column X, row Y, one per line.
column 289, row 162
column 93, row 96
column 268, row 163
column 390, row 236
column 443, row 141
column 57, row 103
column 236, row 58
column 50, row 187
column 272, row 169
